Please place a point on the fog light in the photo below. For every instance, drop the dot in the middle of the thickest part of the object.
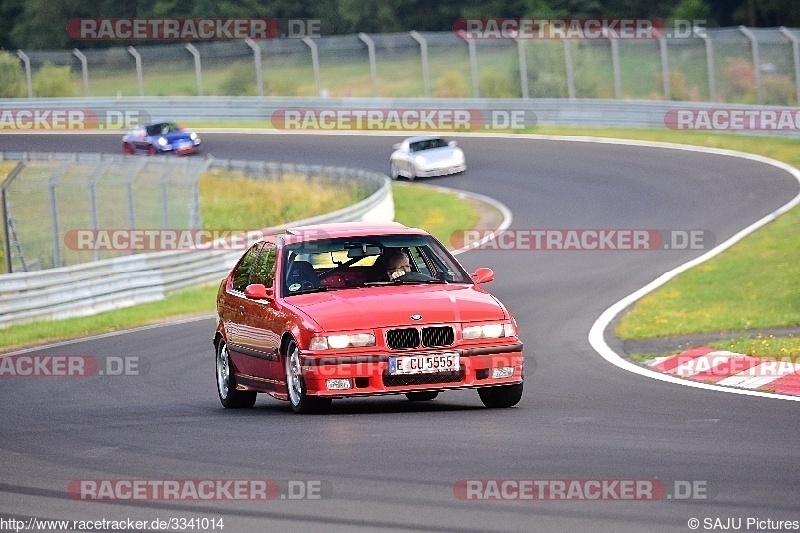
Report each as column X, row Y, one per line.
column 502, row 372
column 338, row 384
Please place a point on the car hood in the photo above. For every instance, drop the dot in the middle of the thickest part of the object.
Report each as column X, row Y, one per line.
column 392, row 306
column 437, row 155
column 177, row 136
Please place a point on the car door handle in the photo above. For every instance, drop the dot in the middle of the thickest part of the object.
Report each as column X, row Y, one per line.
column 241, row 309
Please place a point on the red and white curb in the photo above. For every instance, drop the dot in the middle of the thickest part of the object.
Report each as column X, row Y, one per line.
column 730, row 369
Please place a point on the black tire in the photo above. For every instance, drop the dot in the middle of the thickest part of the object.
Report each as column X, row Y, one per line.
column 502, row 396
column 226, row 384
column 301, row 402
column 422, row 396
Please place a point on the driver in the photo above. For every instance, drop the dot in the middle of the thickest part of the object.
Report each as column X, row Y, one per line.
column 397, row 264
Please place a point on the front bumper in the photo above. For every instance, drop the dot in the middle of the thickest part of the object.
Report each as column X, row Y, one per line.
column 369, row 373
column 441, row 171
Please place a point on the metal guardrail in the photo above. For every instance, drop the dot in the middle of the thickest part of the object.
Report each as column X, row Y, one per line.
column 499, row 114
column 88, row 288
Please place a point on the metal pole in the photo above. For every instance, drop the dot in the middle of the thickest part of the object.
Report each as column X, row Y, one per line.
column 198, row 70
column 423, row 51
column 615, row 63
column 165, row 198
column 570, row 69
column 6, row 217
column 84, row 70
column 473, row 62
column 662, row 46
column 27, row 63
column 314, row 61
column 132, row 51
column 523, row 68
column 796, row 53
column 51, row 185
column 712, row 85
column 93, row 200
column 257, row 60
column 756, row 62
column 373, row 64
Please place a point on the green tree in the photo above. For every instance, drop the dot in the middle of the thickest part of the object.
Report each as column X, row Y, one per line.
column 12, row 77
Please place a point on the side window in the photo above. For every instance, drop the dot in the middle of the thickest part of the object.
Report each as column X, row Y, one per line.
column 264, row 268
column 242, row 274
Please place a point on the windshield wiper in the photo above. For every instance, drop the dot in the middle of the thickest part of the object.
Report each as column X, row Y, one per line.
column 309, row 290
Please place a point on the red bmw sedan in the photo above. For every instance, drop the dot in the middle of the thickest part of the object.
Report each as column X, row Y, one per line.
column 360, row 309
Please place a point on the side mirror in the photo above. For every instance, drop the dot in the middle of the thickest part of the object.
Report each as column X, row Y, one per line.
column 396, row 146
column 257, row 291
column 482, row 275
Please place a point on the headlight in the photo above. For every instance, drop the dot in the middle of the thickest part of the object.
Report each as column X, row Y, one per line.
column 337, row 342
column 162, row 141
column 193, row 136
column 488, row 331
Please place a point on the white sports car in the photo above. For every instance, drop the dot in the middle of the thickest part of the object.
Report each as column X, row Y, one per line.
column 426, row 156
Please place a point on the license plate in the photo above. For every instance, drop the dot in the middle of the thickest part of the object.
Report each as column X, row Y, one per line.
column 424, row 363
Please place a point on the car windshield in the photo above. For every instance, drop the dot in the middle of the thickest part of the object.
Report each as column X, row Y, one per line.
column 427, row 144
column 330, row 264
column 163, row 128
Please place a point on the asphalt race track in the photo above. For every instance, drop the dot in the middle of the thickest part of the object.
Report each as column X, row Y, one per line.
column 389, row 464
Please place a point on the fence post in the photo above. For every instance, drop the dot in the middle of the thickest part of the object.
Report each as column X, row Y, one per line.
column 198, row 70
column 27, row 63
column 373, row 65
column 132, row 51
column 615, row 63
column 473, row 63
column 314, row 61
column 84, row 70
column 570, row 69
column 662, row 47
column 796, row 54
column 423, row 51
column 523, row 67
column 756, row 62
column 51, row 186
column 93, row 200
column 257, row 60
column 6, row 217
column 712, row 85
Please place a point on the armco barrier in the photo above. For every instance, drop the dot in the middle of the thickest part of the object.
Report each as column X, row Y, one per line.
column 498, row 114
column 88, row 288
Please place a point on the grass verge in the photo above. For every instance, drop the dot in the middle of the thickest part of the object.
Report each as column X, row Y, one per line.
column 437, row 212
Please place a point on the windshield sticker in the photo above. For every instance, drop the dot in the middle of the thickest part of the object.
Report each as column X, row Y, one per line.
column 294, row 287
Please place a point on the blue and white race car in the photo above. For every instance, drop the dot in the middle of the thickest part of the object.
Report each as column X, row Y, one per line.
column 160, row 137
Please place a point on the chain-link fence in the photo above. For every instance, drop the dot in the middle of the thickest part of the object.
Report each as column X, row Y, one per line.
column 734, row 65
column 50, row 202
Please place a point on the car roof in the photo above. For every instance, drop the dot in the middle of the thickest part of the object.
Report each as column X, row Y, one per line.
column 348, row 229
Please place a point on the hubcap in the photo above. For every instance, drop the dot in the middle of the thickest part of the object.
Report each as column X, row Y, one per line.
column 223, row 371
column 293, row 376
